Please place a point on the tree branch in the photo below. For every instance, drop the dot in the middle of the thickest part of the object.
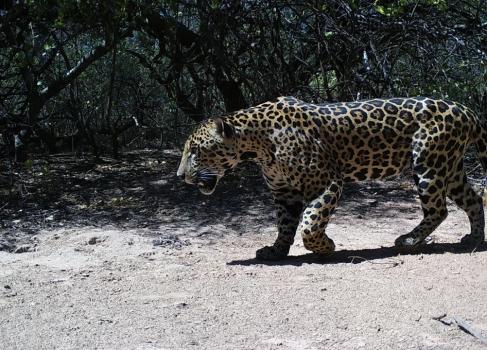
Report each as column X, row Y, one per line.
column 96, row 53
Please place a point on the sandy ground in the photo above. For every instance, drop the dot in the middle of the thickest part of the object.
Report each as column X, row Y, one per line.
column 189, row 281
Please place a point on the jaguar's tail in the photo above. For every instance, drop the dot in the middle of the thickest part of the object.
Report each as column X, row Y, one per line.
column 481, row 143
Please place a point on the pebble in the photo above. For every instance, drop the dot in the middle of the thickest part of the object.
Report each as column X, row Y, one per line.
column 171, row 241
column 93, row 240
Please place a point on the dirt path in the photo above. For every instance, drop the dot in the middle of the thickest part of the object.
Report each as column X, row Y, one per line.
column 186, row 279
column 207, row 292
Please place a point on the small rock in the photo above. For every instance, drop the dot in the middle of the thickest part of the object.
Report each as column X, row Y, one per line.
column 171, row 241
column 105, row 320
column 117, row 192
column 94, row 240
column 159, row 182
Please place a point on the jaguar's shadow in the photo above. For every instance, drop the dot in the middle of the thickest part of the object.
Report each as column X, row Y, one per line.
column 362, row 255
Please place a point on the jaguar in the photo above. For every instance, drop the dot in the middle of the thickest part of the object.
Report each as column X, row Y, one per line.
column 308, row 151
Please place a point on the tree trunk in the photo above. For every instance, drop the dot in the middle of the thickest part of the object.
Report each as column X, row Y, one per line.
column 115, row 146
column 19, row 147
column 109, row 108
column 232, row 94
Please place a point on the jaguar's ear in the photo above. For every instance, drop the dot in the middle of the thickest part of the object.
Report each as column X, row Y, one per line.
column 224, row 128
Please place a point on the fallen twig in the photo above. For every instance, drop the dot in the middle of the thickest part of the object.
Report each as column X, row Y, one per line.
column 463, row 325
column 442, row 319
column 470, row 171
column 466, row 327
column 392, row 263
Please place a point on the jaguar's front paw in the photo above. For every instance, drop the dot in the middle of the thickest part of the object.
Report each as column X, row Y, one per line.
column 275, row 252
column 320, row 245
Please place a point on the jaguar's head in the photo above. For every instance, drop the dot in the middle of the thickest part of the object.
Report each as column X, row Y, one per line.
column 209, row 151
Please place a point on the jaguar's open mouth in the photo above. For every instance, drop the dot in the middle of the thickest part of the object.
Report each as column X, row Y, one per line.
column 207, row 184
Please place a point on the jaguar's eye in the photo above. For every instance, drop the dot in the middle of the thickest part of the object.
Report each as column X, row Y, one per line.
column 194, row 150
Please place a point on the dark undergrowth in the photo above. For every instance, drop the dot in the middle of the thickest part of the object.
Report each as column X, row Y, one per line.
column 141, row 190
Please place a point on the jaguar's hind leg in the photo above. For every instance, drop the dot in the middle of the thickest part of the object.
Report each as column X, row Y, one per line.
column 460, row 191
column 432, row 193
column 434, row 211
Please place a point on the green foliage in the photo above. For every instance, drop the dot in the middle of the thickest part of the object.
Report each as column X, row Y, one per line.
column 28, row 163
column 401, row 7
